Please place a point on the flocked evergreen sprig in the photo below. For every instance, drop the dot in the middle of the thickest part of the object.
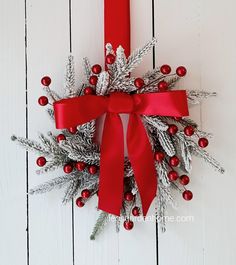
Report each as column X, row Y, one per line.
column 174, row 140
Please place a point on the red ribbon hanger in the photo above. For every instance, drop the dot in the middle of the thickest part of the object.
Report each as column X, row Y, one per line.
column 77, row 111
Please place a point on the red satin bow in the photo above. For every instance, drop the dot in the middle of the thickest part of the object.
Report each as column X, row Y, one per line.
column 76, row 111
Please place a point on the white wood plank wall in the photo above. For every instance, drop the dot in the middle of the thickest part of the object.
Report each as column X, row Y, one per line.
column 35, row 39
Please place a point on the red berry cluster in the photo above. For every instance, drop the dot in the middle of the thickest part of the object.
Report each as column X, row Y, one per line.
column 43, row 100
column 85, row 195
column 166, row 70
column 96, row 70
column 130, row 198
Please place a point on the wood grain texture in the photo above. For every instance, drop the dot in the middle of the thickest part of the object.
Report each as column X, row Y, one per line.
column 50, row 223
column 13, row 220
column 198, row 34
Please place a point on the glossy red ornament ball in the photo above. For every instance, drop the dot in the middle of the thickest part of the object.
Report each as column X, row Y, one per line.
column 46, row 81
column 110, row 58
column 43, row 101
column 165, row 69
column 41, row 161
column 173, row 175
column 139, row 83
column 68, row 168
column 181, row 71
column 89, row 90
column 80, row 166
column 159, row 156
column 136, row 211
column 184, row 180
column 85, row 194
column 203, row 142
column 79, row 202
column 162, row 86
column 128, row 224
column 93, row 80
column 173, row 129
column 72, row 130
column 96, row 69
column 129, row 196
column 187, row 195
column 174, row 161
column 189, row 130
column 60, row 137
column 92, row 169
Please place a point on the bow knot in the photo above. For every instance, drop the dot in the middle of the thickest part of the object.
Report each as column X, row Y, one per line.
column 120, row 103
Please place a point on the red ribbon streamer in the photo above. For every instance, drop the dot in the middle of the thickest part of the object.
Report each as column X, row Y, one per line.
column 77, row 111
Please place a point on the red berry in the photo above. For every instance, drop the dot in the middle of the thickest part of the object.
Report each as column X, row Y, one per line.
column 41, row 161
column 93, row 80
column 162, row 86
column 43, row 101
column 61, row 137
column 79, row 202
column 80, row 166
column 184, row 180
column 89, row 91
column 129, row 196
column 136, row 211
column 159, row 156
column 139, row 83
column 203, row 142
column 110, row 58
column 92, row 169
column 174, row 161
column 46, row 81
column 187, row 195
column 72, row 130
column 178, row 118
column 85, row 194
column 173, row 129
column 165, row 69
column 189, row 130
column 96, row 69
column 181, row 71
column 128, row 224
column 173, row 175
column 68, row 168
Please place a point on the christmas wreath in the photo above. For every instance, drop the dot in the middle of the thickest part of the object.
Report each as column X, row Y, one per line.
column 160, row 141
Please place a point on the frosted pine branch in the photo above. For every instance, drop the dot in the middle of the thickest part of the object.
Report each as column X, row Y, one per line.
column 198, row 151
column 196, row 96
column 69, row 86
column 87, row 68
column 52, row 165
column 166, row 143
column 52, row 95
column 100, row 223
column 31, row 145
column 56, row 183
column 162, row 170
column 102, row 84
column 71, row 191
column 186, row 156
column 133, row 61
column 50, row 113
column 156, row 122
column 121, row 60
